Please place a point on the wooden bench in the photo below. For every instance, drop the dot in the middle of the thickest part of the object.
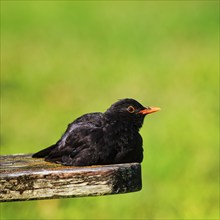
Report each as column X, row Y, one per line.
column 25, row 178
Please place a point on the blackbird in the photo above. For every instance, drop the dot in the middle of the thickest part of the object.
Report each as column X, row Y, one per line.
column 102, row 138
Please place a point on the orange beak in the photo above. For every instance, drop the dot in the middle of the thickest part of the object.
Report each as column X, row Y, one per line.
column 149, row 110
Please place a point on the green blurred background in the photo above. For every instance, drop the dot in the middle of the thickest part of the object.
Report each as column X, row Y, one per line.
column 61, row 59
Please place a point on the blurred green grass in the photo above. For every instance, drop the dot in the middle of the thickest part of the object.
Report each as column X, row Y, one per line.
column 63, row 59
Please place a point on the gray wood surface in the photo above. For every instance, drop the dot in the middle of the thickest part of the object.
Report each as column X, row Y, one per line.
column 25, row 178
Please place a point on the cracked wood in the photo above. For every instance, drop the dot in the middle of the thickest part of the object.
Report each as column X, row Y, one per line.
column 26, row 178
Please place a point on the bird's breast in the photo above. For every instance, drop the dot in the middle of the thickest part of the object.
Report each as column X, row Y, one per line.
column 119, row 137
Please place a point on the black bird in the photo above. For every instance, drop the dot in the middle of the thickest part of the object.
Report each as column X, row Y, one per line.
column 102, row 138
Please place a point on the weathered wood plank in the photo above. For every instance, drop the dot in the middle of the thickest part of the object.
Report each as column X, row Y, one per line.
column 26, row 178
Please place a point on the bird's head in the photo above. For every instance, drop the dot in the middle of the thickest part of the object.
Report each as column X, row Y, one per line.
column 129, row 111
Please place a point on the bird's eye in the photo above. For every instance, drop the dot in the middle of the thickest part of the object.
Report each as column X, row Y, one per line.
column 131, row 109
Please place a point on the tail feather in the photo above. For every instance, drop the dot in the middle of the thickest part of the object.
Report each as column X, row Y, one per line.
column 45, row 152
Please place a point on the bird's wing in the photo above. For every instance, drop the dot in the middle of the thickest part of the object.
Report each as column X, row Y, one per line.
column 76, row 144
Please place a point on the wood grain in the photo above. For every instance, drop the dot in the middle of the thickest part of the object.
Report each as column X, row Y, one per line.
column 26, row 178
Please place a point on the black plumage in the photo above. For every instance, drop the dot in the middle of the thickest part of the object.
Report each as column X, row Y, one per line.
column 102, row 138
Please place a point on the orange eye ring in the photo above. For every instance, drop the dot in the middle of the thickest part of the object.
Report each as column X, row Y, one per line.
column 131, row 109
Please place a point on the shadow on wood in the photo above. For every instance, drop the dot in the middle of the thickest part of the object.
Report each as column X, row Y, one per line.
column 26, row 178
